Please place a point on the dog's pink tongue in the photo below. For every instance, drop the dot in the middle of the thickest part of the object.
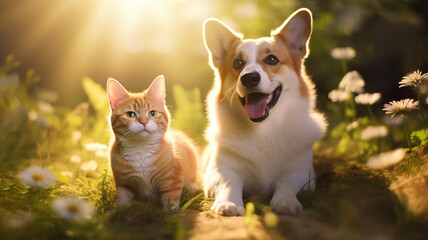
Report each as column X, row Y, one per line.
column 256, row 104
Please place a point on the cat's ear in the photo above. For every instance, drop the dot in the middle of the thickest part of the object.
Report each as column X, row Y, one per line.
column 115, row 92
column 156, row 90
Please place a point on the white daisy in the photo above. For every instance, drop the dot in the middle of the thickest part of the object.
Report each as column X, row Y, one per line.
column 386, row 159
column 38, row 177
column 345, row 53
column 72, row 208
column 102, row 154
column 338, row 95
column 32, row 115
column 95, row 147
column 413, row 79
column 67, row 174
column 352, row 126
column 76, row 136
column 75, row 159
column 371, row 132
column 352, row 82
column 45, row 107
column 367, row 98
column 404, row 105
column 89, row 166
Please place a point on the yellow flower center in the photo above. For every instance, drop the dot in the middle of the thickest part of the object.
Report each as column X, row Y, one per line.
column 73, row 208
column 38, row 177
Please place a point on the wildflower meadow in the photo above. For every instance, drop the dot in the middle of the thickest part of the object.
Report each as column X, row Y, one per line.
column 371, row 165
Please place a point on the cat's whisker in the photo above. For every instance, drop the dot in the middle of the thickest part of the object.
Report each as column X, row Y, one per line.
column 128, row 133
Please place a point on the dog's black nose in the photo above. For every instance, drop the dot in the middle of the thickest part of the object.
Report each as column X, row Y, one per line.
column 250, row 79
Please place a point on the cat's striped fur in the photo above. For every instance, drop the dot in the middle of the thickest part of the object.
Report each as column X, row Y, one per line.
column 149, row 160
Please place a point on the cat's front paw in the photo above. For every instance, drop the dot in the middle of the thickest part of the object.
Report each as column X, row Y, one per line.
column 192, row 187
column 124, row 197
column 227, row 208
column 287, row 204
column 171, row 206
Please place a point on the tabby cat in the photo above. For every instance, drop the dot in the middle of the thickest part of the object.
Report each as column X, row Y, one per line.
column 149, row 160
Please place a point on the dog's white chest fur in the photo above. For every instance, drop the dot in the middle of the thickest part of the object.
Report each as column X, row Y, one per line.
column 282, row 143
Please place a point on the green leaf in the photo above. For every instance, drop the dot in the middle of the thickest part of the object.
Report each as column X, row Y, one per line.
column 420, row 137
column 189, row 114
column 97, row 96
column 250, row 217
column 10, row 64
column 339, row 130
column 61, row 177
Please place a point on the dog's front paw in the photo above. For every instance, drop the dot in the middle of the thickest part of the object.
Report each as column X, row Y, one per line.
column 286, row 205
column 227, row 208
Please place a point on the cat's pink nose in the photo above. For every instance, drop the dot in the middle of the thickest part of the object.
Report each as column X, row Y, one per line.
column 144, row 123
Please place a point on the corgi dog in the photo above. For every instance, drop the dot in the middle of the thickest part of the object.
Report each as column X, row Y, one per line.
column 262, row 117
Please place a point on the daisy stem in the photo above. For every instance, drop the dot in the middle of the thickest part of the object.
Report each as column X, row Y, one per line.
column 420, row 105
column 407, row 131
column 344, row 67
column 378, row 145
column 353, row 107
column 349, row 107
column 343, row 106
column 371, row 114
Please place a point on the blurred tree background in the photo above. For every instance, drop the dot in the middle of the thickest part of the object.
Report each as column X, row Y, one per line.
column 134, row 41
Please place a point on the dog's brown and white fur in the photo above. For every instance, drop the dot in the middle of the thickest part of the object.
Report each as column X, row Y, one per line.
column 262, row 122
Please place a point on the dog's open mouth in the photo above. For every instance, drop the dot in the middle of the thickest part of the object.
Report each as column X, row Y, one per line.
column 257, row 105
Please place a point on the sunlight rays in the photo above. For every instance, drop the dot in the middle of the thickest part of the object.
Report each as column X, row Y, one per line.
column 79, row 53
column 75, row 38
column 43, row 27
column 116, row 29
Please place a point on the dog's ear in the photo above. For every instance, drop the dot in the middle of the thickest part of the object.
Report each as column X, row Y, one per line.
column 218, row 40
column 116, row 92
column 296, row 31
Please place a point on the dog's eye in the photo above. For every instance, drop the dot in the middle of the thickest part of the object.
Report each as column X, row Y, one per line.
column 131, row 114
column 271, row 60
column 238, row 63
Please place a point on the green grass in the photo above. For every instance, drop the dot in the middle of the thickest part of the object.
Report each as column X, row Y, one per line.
column 350, row 202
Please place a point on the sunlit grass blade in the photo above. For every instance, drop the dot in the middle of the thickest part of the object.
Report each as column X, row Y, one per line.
column 188, row 203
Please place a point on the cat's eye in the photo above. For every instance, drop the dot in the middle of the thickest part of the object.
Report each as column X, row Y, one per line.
column 153, row 113
column 131, row 114
column 238, row 63
column 271, row 60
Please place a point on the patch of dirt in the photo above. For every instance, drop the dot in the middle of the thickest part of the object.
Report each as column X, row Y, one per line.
column 413, row 190
column 350, row 202
column 208, row 225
